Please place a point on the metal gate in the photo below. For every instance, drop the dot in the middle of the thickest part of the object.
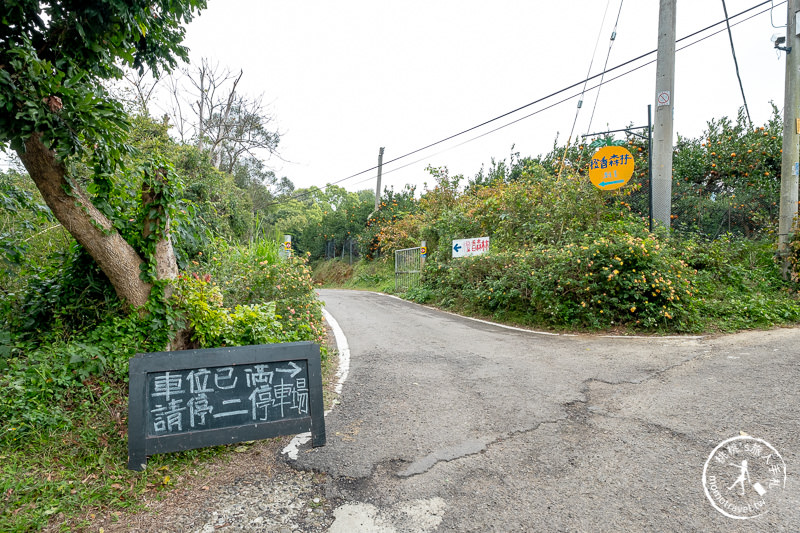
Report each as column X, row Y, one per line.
column 407, row 268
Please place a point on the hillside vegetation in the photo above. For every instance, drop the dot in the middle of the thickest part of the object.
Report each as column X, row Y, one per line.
column 566, row 255
column 118, row 239
column 66, row 338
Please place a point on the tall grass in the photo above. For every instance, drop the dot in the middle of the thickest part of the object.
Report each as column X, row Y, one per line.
column 265, row 242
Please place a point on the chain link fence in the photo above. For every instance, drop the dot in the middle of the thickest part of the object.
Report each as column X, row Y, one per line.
column 346, row 250
column 712, row 213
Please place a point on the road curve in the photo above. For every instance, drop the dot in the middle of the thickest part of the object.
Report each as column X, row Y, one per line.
column 448, row 424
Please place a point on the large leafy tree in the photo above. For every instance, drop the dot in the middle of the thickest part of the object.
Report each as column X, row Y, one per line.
column 56, row 115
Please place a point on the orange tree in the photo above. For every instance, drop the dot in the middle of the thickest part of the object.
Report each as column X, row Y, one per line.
column 729, row 180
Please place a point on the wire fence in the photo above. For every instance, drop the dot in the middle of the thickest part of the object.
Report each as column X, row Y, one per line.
column 711, row 214
column 407, row 268
column 346, row 250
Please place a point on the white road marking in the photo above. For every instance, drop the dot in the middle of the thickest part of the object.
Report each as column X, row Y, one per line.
column 670, row 337
column 293, row 448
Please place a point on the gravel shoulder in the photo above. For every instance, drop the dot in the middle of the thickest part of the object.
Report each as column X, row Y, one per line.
column 250, row 489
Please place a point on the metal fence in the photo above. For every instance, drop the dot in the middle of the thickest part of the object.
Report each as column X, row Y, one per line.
column 346, row 251
column 750, row 215
column 407, row 268
column 330, row 249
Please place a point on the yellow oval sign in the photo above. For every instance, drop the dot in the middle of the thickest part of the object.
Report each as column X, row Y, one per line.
column 611, row 167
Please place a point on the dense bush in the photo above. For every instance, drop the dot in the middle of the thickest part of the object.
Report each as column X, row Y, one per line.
column 42, row 384
column 565, row 254
column 213, row 325
column 391, row 227
column 617, row 274
column 255, row 275
column 43, row 378
column 66, row 293
column 739, row 283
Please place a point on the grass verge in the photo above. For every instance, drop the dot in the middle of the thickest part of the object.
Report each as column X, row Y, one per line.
column 362, row 275
column 67, row 476
column 64, row 480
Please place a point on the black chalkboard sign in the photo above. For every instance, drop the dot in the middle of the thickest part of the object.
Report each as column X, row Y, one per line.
column 195, row 398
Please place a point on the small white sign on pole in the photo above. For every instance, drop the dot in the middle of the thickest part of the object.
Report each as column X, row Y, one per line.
column 469, row 247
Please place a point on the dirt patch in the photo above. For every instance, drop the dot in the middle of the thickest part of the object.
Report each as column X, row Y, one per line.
column 332, row 273
column 249, row 490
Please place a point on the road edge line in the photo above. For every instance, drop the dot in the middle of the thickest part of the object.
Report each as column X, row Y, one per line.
column 344, row 352
column 293, row 448
column 535, row 332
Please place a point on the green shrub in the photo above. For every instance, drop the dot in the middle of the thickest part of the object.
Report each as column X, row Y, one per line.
column 618, row 274
column 615, row 275
column 739, row 283
column 256, row 275
column 214, row 325
column 68, row 292
column 42, row 384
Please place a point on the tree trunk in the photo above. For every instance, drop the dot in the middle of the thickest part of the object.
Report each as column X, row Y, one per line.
column 72, row 207
column 166, row 263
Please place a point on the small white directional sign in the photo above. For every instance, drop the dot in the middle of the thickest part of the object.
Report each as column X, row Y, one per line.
column 469, row 247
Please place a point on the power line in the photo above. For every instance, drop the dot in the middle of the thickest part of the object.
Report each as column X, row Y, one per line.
column 602, row 83
column 520, row 119
column 588, row 72
column 736, row 62
column 608, row 55
column 305, row 194
column 771, row 20
column 569, row 97
column 551, row 95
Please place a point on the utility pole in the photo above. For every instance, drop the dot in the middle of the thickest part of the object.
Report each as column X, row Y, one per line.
column 665, row 95
column 378, row 185
column 790, row 162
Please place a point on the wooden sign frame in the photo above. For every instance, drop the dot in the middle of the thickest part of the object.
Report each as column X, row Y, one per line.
column 143, row 434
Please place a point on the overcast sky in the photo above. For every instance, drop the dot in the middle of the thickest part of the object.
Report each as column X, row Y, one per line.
column 344, row 78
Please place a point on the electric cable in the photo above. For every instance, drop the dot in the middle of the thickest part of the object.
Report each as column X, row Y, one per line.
column 736, row 62
column 551, row 95
column 588, row 73
column 600, row 85
column 605, row 66
column 771, row 21
column 385, row 172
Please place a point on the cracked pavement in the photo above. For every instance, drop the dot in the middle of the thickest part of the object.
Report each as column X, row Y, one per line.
column 451, row 424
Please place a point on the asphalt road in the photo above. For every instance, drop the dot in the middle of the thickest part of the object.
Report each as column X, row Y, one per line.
column 449, row 424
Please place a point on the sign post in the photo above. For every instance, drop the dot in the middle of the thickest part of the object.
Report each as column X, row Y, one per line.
column 649, row 139
column 286, row 247
column 196, row 398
